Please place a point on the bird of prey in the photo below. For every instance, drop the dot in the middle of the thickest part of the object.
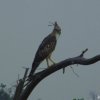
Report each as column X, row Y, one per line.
column 46, row 48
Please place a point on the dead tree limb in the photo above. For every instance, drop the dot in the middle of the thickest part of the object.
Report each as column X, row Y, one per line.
column 20, row 86
column 37, row 77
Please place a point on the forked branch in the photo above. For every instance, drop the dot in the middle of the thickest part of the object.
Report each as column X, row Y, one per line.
column 37, row 77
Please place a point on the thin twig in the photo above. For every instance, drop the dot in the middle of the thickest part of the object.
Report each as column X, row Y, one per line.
column 74, row 71
column 84, row 51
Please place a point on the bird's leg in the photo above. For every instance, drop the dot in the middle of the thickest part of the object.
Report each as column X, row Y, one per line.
column 49, row 57
column 51, row 60
column 47, row 60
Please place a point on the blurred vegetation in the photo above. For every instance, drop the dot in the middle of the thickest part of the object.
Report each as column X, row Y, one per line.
column 5, row 93
column 78, row 99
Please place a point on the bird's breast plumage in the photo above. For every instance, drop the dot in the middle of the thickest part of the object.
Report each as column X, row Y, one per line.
column 46, row 47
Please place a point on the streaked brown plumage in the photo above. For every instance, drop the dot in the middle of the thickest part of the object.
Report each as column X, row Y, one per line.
column 46, row 48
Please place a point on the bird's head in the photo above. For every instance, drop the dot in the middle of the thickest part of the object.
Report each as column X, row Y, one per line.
column 57, row 28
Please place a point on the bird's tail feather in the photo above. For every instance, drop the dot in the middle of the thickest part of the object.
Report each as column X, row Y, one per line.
column 34, row 67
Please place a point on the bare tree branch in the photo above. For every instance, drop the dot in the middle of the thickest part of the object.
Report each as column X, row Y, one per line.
column 20, row 86
column 37, row 77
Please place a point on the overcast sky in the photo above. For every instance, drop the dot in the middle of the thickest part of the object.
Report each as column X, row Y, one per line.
column 23, row 25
